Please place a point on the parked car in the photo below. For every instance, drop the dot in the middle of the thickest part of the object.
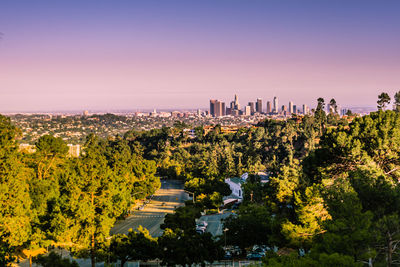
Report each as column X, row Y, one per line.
column 228, row 256
column 259, row 250
column 254, row 256
column 200, row 227
column 202, row 224
column 200, row 231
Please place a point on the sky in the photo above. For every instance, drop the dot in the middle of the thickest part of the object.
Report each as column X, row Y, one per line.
column 123, row 54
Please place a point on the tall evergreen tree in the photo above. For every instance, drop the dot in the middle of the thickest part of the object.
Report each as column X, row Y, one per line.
column 383, row 101
column 333, row 105
column 397, row 101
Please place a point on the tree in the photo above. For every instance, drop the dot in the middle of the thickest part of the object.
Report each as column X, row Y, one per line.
column 48, row 163
column 358, row 167
column 388, row 237
column 54, row 260
column 311, row 211
column 383, row 101
column 252, row 226
column 348, row 232
column 188, row 248
column 333, row 105
column 286, row 183
column 89, row 199
column 15, row 219
column 136, row 245
column 349, row 113
column 397, row 102
column 184, row 219
column 320, row 115
column 320, row 104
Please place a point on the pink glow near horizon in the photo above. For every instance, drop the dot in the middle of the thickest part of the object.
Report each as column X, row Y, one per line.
column 85, row 69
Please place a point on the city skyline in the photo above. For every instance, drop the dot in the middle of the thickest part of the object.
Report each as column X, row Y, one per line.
column 98, row 55
column 219, row 108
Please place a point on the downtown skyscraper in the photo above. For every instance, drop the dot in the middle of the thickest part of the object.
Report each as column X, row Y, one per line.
column 217, row 108
column 276, row 107
column 259, row 108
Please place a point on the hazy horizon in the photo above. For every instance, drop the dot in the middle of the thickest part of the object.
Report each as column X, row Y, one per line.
column 130, row 55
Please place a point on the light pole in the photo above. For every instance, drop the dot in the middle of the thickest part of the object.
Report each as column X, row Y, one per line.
column 225, row 230
column 190, row 193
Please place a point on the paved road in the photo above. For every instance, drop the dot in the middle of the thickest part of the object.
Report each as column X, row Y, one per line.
column 165, row 200
column 215, row 226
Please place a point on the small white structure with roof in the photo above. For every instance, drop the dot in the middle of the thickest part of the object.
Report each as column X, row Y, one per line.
column 235, row 184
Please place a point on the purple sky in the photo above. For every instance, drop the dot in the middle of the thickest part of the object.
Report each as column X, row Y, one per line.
column 94, row 54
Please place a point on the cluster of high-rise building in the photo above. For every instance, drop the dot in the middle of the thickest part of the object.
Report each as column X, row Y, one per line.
column 217, row 108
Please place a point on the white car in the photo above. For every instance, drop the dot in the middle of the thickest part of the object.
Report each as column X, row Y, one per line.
column 203, row 224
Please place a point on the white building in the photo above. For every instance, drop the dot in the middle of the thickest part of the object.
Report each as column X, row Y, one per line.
column 291, row 107
column 235, row 184
column 74, row 150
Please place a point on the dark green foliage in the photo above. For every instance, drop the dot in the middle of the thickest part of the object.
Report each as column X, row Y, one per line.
column 137, row 245
column 333, row 105
column 186, row 248
column 383, row 101
column 15, row 217
column 253, row 225
column 54, row 260
column 349, row 113
column 183, row 219
column 397, row 102
column 359, row 167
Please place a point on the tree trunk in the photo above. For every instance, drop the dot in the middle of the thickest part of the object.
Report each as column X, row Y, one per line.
column 123, row 262
column 92, row 253
column 389, row 250
column 92, row 249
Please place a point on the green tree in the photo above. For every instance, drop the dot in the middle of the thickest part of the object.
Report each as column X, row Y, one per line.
column 349, row 230
column 286, row 183
column 388, row 238
column 89, row 197
column 54, row 260
column 320, row 115
column 333, row 105
column 184, row 219
column 15, row 219
column 311, row 211
column 48, row 163
column 349, row 113
column 383, row 101
column 188, row 248
column 252, row 226
column 136, row 245
column 397, row 102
